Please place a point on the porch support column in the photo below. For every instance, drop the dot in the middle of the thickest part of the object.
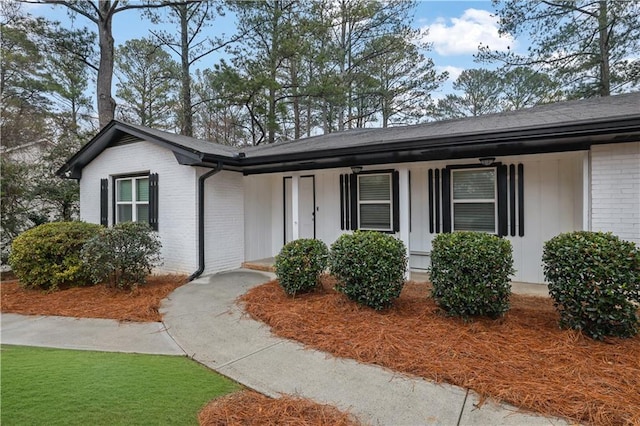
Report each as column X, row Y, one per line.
column 295, row 216
column 404, row 211
column 586, row 191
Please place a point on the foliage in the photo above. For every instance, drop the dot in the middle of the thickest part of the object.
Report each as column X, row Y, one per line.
column 588, row 46
column 480, row 95
column 300, row 263
column 149, row 84
column 594, row 280
column 65, row 387
column 49, row 256
column 124, row 254
column 369, row 266
column 470, row 273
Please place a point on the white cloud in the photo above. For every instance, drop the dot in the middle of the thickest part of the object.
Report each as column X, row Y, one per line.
column 463, row 35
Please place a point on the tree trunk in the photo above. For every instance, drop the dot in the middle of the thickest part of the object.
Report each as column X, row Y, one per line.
column 605, row 72
column 185, row 90
column 106, row 104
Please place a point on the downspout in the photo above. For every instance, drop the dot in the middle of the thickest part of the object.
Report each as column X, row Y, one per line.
column 201, row 181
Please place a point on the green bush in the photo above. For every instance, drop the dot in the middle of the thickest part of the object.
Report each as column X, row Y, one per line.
column 369, row 267
column 470, row 273
column 594, row 280
column 48, row 256
column 299, row 264
column 123, row 255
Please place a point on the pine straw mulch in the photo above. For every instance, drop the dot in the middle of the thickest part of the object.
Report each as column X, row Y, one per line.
column 98, row 301
column 251, row 408
column 523, row 358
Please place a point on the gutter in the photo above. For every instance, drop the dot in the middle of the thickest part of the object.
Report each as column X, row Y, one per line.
column 201, row 181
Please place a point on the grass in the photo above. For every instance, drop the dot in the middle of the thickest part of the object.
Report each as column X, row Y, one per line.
column 65, row 387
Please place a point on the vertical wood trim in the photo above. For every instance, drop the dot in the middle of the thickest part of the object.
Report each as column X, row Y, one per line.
column 353, row 179
column 446, row 200
column 521, row 200
column 153, row 201
column 512, row 200
column 342, row 202
column 431, row 213
column 410, row 219
column 502, row 200
column 437, row 203
column 395, row 187
column 104, row 202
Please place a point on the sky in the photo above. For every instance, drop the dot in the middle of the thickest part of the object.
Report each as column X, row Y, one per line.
column 455, row 29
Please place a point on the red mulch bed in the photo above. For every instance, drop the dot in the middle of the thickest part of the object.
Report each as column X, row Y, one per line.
column 523, row 358
column 251, row 408
column 96, row 301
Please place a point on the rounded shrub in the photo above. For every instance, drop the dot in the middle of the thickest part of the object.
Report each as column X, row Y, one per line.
column 299, row 265
column 48, row 256
column 594, row 280
column 123, row 255
column 369, row 267
column 470, row 273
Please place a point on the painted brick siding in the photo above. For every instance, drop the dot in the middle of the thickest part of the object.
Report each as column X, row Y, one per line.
column 224, row 221
column 615, row 190
column 176, row 198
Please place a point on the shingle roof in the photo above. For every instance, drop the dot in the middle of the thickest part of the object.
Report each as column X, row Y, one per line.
column 572, row 125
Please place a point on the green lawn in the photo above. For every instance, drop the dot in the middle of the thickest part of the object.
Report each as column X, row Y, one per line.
column 63, row 387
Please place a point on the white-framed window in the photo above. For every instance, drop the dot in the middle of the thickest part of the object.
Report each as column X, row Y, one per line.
column 474, row 200
column 375, row 202
column 132, row 199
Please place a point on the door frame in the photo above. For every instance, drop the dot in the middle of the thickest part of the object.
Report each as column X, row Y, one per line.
column 284, row 204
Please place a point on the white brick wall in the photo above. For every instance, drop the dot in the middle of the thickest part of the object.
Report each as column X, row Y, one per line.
column 177, row 195
column 224, row 221
column 615, row 189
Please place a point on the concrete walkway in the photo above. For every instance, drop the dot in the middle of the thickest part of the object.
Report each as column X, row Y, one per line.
column 205, row 321
column 202, row 320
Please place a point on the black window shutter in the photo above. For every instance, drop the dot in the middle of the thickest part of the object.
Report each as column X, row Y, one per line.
column 431, row 213
column 395, row 186
column 512, row 200
column 342, row 202
column 521, row 200
column 502, row 200
column 353, row 192
column 446, row 200
column 153, row 201
column 104, row 202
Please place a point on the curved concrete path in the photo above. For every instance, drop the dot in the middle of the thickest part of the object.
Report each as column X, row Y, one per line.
column 205, row 321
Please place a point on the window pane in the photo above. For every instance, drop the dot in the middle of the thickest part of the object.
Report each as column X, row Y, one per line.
column 142, row 189
column 124, row 213
column 143, row 213
column 375, row 216
column 474, row 217
column 374, row 187
column 474, row 184
column 124, row 190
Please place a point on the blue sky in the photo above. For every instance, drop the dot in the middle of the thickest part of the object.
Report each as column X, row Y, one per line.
column 455, row 29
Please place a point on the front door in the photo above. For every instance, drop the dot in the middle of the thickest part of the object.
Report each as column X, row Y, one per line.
column 306, row 208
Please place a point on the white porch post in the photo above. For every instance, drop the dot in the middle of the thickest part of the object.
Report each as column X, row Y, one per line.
column 295, row 215
column 404, row 211
column 586, row 191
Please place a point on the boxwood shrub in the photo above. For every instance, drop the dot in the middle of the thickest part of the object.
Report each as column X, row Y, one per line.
column 369, row 267
column 470, row 273
column 48, row 256
column 299, row 265
column 123, row 256
column 594, row 280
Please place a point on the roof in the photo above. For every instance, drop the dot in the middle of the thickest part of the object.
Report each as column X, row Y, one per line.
column 562, row 126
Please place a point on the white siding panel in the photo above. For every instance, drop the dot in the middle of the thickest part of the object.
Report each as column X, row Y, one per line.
column 615, row 190
column 177, row 190
column 224, row 221
column 258, row 216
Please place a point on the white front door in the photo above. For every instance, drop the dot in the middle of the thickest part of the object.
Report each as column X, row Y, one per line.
column 306, row 208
